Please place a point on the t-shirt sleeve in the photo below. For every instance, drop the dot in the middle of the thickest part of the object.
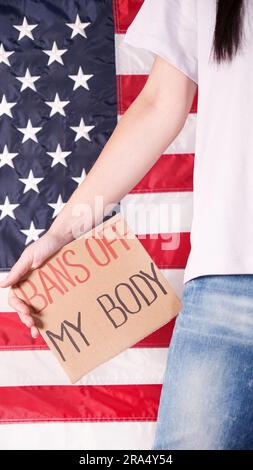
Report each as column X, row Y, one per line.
column 168, row 28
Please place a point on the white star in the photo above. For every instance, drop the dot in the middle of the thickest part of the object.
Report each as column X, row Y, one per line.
column 6, row 157
column 57, row 106
column 28, row 81
column 58, row 206
column 80, row 179
column 5, row 108
column 32, row 234
column 7, row 209
column 82, row 131
column 78, row 27
column 55, row 54
column 25, row 29
column 4, row 55
column 29, row 131
column 31, row 182
column 58, row 156
column 80, row 79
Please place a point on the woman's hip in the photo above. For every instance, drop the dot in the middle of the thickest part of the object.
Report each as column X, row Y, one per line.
column 218, row 305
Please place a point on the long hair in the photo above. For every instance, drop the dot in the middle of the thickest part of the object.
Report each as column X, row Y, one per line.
column 228, row 29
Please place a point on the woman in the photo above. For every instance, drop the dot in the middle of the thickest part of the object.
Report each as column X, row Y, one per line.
column 206, row 400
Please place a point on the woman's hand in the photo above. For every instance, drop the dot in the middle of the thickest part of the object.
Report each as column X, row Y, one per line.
column 31, row 258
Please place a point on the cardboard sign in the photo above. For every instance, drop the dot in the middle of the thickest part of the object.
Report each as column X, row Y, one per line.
column 97, row 296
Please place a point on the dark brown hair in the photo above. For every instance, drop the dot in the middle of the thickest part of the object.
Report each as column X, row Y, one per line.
column 228, row 29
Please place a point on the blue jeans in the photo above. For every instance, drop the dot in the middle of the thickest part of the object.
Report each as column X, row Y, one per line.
column 206, row 401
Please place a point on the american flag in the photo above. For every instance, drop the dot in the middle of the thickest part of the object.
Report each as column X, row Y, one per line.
column 66, row 78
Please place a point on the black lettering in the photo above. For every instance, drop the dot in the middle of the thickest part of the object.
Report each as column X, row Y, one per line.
column 54, row 337
column 138, row 303
column 154, row 278
column 113, row 307
column 137, row 287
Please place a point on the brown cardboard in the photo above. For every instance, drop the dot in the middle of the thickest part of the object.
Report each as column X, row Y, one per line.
column 73, row 292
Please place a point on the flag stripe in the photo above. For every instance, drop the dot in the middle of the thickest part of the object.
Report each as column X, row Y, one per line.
column 124, row 13
column 80, row 403
column 168, row 250
column 23, row 368
column 170, row 173
column 158, row 212
column 69, row 436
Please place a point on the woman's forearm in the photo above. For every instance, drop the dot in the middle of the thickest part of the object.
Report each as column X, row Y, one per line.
column 140, row 137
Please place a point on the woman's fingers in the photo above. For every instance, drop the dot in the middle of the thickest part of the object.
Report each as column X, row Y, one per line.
column 18, row 304
column 34, row 332
column 26, row 319
column 18, row 270
column 23, row 312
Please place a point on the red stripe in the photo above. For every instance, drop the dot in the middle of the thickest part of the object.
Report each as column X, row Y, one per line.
column 14, row 335
column 170, row 173
column 168, row 250
column 79, row 403
column 124, row 13
column 128, row 88
column 160, row 338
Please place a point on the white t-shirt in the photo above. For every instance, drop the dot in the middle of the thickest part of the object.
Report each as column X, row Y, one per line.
column 181, row 31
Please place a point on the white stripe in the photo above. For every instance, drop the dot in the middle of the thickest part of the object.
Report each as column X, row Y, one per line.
column 175, row 278
column 185, row 140
column 85, row 436
column 4, row 306
column 18, row 368
column 158, row 212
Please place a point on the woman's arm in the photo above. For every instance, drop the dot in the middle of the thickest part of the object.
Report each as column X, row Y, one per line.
column 145, row 130
column 148, row 126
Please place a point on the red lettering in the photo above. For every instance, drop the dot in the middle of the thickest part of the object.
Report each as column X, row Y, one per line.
column 119, row 238
column 58, row 274
column 75, row 265
column 102, row 248
column 44, row 278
